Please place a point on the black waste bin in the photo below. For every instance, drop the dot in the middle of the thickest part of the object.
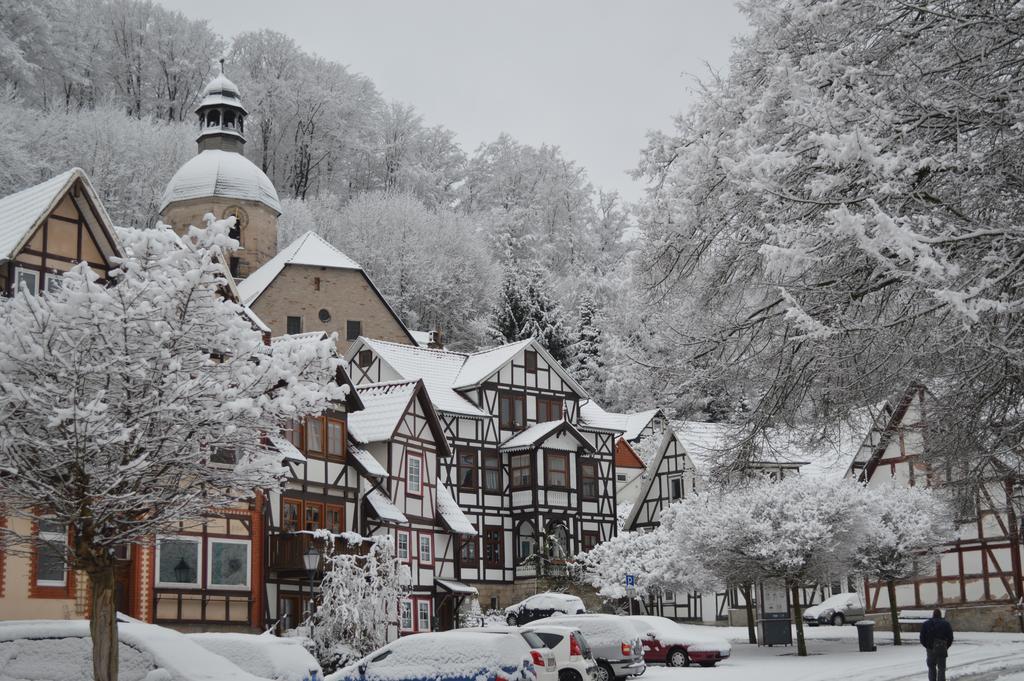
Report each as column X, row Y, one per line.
column 866, row 636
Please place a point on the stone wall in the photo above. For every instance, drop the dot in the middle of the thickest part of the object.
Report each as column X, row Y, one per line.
column 303, row 291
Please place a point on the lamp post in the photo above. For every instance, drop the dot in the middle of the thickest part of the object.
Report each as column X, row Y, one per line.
column 311, row 559
column 182, row 571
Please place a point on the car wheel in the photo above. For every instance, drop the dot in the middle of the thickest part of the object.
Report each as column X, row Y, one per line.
column 604, row 672
column 512, row 620
column 677, row 657
column 569, row 675
column 838, row 620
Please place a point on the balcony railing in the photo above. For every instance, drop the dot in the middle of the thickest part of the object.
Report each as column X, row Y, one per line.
column 287, row 550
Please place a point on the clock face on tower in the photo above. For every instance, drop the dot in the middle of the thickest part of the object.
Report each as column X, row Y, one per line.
column 241, row 219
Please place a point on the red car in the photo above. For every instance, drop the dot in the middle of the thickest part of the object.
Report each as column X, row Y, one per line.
column 679, row 645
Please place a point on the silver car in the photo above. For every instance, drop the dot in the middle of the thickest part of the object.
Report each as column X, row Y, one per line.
column 836, row 610
column 614, row 643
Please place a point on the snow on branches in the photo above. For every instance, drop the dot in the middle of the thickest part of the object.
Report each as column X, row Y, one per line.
column 131, row 404
column 359, row 594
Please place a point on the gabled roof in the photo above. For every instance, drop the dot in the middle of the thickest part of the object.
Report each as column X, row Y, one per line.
column 386, row 405
column 625, row 456
column 308, row 249
column 313, row 251
column 446, row 372
column 630, row 425
column 480, row 366
column 365, row 462
column 22, row 212
column 437, row 369
column 539, row 432
column 648, row 480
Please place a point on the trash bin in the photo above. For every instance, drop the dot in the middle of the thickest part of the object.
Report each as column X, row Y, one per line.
column 866, row 636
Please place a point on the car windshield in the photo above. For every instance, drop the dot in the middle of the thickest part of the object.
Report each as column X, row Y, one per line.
column 534, row 640
column 550, row 640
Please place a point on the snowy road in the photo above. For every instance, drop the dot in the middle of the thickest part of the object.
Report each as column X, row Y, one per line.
column 833, row 655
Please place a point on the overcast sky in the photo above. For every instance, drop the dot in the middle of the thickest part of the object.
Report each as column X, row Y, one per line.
column 592, row 76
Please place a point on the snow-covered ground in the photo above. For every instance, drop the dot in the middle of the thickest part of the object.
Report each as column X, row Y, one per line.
column 833, row 655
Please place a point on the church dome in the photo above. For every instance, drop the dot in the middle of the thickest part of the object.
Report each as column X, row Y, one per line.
column 226, row 174
column 221, row 85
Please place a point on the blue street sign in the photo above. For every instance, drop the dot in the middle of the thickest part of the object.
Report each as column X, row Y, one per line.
column 630, row 580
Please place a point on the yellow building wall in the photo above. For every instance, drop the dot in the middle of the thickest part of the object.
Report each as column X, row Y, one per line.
column 15, row 602
column 258, row 229
column 345, row 294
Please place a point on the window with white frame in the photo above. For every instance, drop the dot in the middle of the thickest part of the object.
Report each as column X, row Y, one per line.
column 414, row 474
column 27, row 278
column 50, row 553
column 228, row 563
column 423, row 615
column 177, row 561
column 426, row 548
column 54, row 282
column 675, row 487
column 403, row 546
column 405, row 615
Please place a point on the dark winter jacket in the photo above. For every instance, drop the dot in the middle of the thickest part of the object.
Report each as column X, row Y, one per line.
column 936, row 628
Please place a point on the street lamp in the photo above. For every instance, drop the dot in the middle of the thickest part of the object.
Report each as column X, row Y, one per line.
column 182, row 571
column 311, row 559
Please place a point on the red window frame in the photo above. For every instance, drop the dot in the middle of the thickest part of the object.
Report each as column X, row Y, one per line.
column 550, row 409
column 340, row 511
column 306, row 507
column 471, row 561
column 420, row 536
column 311, row 423
column 409, row 456
column 589, row 539
column 513, row 401
column 495, row 558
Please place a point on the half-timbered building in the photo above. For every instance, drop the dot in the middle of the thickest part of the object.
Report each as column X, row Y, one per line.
column 532, row 476
column 977, row 579
column 629, row 472
column 402, row 432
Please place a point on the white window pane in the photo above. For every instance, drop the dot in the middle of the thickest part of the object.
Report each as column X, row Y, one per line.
column 179, row 561
column 229, row 564
column 28, row 278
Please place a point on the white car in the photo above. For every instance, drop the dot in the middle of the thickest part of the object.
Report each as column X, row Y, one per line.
column 281, row 659
column 545, row 663
column 836, row 610
column 573, row 657
column 543, row 605
column 61, row 650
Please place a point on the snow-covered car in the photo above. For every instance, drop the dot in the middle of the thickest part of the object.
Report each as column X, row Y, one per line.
column 281, row 659
column 452, row 655
column 573, row 657
column 678, row 645
column 544, row 663
column 614, row 643
column 543, row 605
column 836, row 610
column 61, row 650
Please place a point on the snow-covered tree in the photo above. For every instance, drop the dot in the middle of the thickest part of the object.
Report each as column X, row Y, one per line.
column 359, row 595
column 118, row 397
column 525, row 309
column 908, row 528
column 834, row 220
column 587, row 365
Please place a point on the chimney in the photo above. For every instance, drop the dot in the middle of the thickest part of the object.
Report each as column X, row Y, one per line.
column 436, row 341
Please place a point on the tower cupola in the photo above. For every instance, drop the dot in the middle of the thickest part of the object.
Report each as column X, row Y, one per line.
column 221, row 116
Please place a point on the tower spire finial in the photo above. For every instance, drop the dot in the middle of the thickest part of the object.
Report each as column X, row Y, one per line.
column 222, row 65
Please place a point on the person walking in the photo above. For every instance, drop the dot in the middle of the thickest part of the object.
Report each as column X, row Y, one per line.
column 936, row 637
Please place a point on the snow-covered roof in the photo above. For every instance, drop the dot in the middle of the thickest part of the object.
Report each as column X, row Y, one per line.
column 385, row 405
column 384, row 508
column 450, row 512
column 481, row 365
column 220, row 84
column 446, row 372
column 625, row 455
column 286, row 448
column 366, row 461
column 422, row 338
column 215, row 99
column 630, row 425
column 539, row 432
column 309, row 249
column 227, row 174
column 456, row 587
column 21, row 212
column 308, row 337
column 438, row 370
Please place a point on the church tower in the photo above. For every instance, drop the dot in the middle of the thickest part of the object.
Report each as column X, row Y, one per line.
column 221, row 180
